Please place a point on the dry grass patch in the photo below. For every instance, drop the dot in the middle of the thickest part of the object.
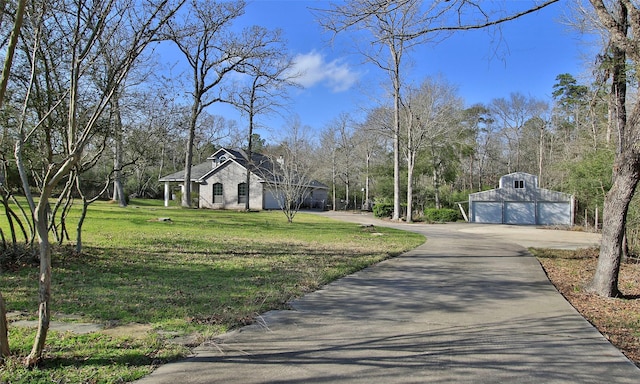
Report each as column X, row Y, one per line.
column 618, row 319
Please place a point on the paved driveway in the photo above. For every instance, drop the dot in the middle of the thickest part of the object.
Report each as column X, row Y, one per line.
column 469, row 306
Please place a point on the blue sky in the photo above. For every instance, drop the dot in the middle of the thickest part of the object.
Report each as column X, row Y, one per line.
column 534, row 50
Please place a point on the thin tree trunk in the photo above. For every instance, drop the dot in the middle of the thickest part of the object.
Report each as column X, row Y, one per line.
column 247, row 206
column 540, row 156
column 4, row 331
column 410, row 166
column 366, row 184
column 396, row 159
column 118, row 188
column 83, row 215
column 186, row 190
column 333, row 182
column 436, row 189
column 44, row 290
column 346, row 187
column 396, row 133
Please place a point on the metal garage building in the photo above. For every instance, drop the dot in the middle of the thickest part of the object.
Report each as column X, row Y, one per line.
column 519, row 201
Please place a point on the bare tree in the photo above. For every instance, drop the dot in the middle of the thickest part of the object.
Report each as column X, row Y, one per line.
column 397, row 26
column 431, row 118
column 513, row 113
column 394, row 26
column 77, row 29
column 289, row 172
column 479, row 123
column 329, row 147
column 213, row 50
column 369, row 146
column 4, row 79
column 621, row 20
column 268, row 76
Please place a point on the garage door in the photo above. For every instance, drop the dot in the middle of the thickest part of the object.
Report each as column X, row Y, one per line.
column 269, row 199
column 487, row 212
column 550, row 213
column 519, row 213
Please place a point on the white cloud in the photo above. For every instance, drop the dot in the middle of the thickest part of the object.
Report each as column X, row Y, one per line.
column 312, row 69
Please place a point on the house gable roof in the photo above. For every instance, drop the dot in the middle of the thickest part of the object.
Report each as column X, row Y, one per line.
column 261, row 166
column 197, row 171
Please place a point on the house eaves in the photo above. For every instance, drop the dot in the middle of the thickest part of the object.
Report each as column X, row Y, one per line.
column 197, row 172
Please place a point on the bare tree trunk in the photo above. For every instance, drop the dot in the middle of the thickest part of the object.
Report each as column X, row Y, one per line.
column 396, row 146
column 436, row 189
column 616, row 204
column 247, row 206
column 44, row 290
column 334, row 177
column 346, row 188
column 118, row 188
column 540, row 155
column 626, row 168
column 186, row 190
column 4, row 331
column 410, row 166
column 365, row 203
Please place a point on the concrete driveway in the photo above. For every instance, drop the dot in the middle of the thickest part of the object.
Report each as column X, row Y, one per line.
column 469, row 306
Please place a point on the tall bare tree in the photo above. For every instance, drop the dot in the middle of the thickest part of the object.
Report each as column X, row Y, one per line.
column 512, row 113
column 213, row 50
column 74, row 31
column 4, row 79
column 267, row 77
column 431, row 117
column 621, row 21
column 329, row 148
column 397, row 26
column 393, row 25
column 290, row 169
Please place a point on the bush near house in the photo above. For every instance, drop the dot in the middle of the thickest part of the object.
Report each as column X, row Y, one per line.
column 441, row 215
column 383, row 210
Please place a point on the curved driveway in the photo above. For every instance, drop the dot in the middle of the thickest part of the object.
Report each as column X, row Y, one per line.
column 471, row 305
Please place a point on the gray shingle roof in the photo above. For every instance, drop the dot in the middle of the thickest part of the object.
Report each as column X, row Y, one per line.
column 261, row 165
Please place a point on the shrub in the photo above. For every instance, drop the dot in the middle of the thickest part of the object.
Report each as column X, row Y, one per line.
column 383, row 210
column 441, row 215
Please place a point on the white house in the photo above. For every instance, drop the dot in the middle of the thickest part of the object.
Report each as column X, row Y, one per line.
column 519, row 200
column 221, row 183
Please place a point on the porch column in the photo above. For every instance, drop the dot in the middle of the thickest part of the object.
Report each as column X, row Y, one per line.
column 167, row 193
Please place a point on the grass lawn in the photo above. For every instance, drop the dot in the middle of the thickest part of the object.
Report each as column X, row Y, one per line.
column 199, row 274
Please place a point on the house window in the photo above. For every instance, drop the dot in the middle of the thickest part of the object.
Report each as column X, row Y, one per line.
column 518, row 184
column 217, row 193
column 242, row 193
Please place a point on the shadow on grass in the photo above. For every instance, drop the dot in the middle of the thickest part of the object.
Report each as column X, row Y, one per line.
column 182, row 284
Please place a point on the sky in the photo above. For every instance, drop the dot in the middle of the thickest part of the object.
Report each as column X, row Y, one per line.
column 532, row 51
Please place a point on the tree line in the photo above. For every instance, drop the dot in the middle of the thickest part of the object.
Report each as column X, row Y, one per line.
column 86, row 114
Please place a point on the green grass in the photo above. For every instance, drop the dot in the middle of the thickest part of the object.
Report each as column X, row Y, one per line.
column 202, row 273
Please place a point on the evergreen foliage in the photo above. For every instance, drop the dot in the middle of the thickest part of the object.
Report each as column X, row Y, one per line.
column 442, row 215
